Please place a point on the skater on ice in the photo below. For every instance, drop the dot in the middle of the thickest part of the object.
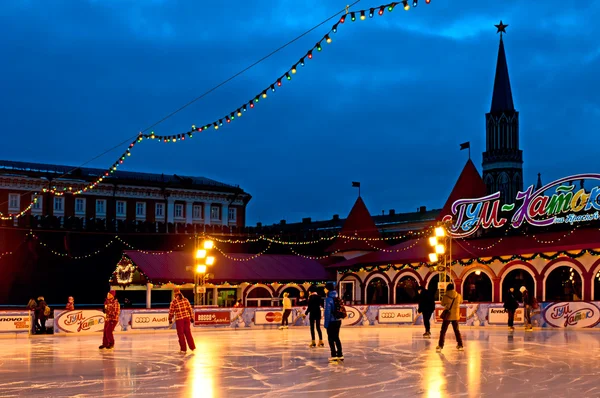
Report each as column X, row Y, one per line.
column 426, row 307
column 112, row 309
column 314, row 316
column 70, row 304
column 334, row 312
column 528, row 308
column 287, row 310
column 510, row 305
column 181, row 309
column 451, row 314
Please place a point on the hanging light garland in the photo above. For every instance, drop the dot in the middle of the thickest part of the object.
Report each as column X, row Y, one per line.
column 243, row 259
column 238, row 112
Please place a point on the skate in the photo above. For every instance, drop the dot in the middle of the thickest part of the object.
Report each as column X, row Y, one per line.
column 340, row 357
column 460, row 348
column 321, row 344
column 333, row 359
column 281, row 327
column 313, row 344
column 102, row 347
column 438, row 349
column 427, row 335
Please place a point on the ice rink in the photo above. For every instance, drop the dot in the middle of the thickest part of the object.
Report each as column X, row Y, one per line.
column 380, row 362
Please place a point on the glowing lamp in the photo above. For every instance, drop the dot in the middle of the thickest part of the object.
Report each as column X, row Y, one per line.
column 433, row 258
column 477, row 272
column 362, row 15
column 201, row 268
column 406, row 6
column 201, row 253
column 327, row 39
column 433, row 241
column 208, row 244
column 381, row 10
column 210, row 260
column 439, row 232
column 440, row 249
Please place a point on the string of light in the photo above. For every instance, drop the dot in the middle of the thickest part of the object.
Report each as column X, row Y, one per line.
column 243, row 259
column 78, row 189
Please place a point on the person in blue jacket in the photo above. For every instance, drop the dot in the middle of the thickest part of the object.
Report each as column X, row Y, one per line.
column 332, row 324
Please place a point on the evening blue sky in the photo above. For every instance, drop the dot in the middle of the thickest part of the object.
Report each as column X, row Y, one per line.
column 387, row 103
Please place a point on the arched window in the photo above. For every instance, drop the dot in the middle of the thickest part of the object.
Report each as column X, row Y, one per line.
column 432, row 286
column 515, row 279
column 597, row 286
column 504, row 187
column 563, row 284
column 477, row 287
column 259, row 297
column 377, row 292
column 406, row 290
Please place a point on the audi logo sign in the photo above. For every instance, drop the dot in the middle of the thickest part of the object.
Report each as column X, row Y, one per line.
column 396, row 315
column 149, row 320
column 15, row 323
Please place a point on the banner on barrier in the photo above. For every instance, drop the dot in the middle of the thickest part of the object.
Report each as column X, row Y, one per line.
column 79, row 321
column 499, row 316
column 204, row 318
column 15, row 323
column 463, row 314
column 396, row 315
column 149, row 320
column 268, row 317
column 578, row 314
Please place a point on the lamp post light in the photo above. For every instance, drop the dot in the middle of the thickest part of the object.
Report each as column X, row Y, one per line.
column 203, row 261
column 441, row 257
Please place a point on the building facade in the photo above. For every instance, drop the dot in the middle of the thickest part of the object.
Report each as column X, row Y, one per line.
column 123, row 199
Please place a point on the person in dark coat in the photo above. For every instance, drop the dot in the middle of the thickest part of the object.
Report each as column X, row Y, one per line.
column 314, row 316
column 528, row 304
column 426, row 307
column 510, row 305
column 40, row 315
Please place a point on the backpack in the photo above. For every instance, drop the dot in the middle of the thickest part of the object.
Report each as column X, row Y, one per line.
column 47, row 311
column 339, row 311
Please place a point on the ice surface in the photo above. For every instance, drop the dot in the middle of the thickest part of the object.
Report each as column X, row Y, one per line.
column 380, row 362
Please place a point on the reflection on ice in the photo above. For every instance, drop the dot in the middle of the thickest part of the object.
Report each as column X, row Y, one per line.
column 271, row 363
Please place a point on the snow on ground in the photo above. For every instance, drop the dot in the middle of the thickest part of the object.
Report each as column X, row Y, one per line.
column 271, row 363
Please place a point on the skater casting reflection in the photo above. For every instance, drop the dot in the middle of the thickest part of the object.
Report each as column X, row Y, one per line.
column 314, row 316
column 334, row 312
column 510, row 305
column 112, row 309
column 451, row 314
column 287, row 310
column 528, row 308
column 181, row 309
column 426, row 307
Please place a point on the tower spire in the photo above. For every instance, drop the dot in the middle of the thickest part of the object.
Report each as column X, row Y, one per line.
column 502, row 100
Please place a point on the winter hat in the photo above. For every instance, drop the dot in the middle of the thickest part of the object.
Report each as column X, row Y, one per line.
column 41, row 298
column 312, row 289
column 450, row 286
column 113, row 293
column 286, row 294
column 71, row 298
column 176, row 291
column 330, row 286
column 522, row 289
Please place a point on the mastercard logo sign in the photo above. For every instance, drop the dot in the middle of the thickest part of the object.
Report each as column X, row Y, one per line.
column 273, row 317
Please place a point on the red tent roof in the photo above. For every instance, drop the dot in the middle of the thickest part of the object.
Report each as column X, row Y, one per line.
column 358, row 224
column 469, row 185
column 171, row 267
column 416, row 251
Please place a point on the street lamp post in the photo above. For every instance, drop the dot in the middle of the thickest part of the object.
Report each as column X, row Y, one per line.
column 441, row 257
column 203, row 261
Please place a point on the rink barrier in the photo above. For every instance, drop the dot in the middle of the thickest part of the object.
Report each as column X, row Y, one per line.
column 574, row 314
column 15, row 322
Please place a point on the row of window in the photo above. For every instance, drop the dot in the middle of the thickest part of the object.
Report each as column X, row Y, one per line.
column 121, row 208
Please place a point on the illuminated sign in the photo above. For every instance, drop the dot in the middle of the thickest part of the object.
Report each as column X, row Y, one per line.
column 565, row 206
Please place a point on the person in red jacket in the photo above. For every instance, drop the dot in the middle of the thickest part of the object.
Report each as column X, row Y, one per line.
column 181, row 309
column 112, row 309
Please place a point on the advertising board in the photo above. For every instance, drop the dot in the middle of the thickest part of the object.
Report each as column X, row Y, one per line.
column 80, row 321
column 396, row 315
column 206, row 318
column 15, row 322
column 150, row 320
column 574, row 314
column 499, row 316
column 463, row 314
